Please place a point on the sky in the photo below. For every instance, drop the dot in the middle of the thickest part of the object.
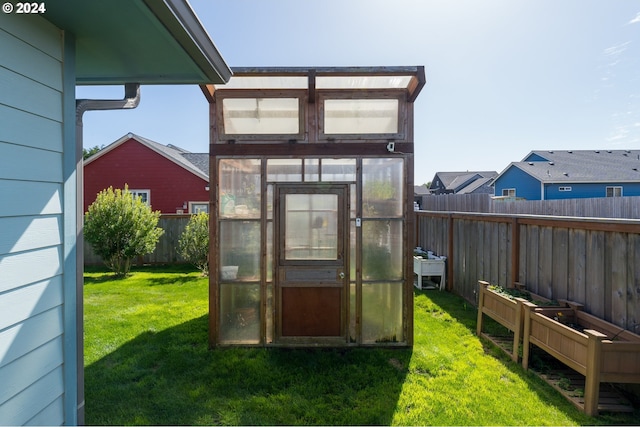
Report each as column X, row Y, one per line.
column 504, row 77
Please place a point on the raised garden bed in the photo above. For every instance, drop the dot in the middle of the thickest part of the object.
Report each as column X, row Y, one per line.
column 595, row 348
column 505, row 307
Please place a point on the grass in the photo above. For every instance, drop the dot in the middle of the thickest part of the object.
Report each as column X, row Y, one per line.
column 148, row 363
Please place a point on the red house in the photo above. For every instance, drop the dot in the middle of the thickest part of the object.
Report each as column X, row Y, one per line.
column 170, row 179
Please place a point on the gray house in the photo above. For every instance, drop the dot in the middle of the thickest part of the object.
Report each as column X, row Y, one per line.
column 44, row 55
column 468, row 182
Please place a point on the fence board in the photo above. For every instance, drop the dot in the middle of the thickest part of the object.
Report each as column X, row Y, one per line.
column 595, row 268
column 599, row 207
column 595, row 262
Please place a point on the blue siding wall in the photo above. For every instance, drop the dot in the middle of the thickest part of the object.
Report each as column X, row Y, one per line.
column 533, row 157
column 32, row 216
column 581, row 191
column 527, row 186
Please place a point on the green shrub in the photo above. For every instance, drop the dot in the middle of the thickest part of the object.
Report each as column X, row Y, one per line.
column 121, row 227
column 194, row 242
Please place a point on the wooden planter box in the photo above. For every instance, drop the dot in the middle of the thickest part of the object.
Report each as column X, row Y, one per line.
column 597, row 349
column 506, row 311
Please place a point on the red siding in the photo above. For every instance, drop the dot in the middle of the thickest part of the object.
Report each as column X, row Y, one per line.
column 141, row 168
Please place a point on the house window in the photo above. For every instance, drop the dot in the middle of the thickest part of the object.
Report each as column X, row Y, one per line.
column 197, row 207
column 614, row 191
column 145, row 195
column 509, row 192
column 564, row 189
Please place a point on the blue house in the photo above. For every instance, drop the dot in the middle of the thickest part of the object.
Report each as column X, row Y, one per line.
column 573, row 174
column 44, row 55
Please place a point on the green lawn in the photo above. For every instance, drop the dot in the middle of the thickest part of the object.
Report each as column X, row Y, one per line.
column 147, row 362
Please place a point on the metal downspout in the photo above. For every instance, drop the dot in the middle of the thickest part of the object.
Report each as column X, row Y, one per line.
column 131, row 100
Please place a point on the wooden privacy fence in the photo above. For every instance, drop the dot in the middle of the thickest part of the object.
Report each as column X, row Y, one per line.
column 595, row 262
column 167, row 249
column 597, row 207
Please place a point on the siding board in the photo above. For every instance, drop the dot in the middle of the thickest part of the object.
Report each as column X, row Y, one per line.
column 21, row 373
column 18, row 305
column 30, row 267
column 34, row 131
column 41, row 34
column 17, row 341
column 24, row 94
column 38, row 168
column 22, row 407
column 21, row 198
column 30, row 62
column 23, row 233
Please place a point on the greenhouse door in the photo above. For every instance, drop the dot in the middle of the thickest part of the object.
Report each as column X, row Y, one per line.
column 311, row 243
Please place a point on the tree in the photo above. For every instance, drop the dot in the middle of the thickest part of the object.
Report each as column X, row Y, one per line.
column 194, row 242
column 121, row 227
column 88, row 152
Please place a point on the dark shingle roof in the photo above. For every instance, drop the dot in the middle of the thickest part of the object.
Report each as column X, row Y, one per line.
column 583, row 165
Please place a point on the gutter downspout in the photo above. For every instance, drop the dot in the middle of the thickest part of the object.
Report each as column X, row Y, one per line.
column 131, row 100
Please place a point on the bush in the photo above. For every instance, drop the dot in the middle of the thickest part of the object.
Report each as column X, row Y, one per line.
column 121, row 227
column 194, row 242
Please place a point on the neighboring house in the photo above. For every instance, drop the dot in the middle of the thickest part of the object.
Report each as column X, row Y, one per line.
column 463, row 182
column 44, row 56
column 573, row 174
column 171, row 180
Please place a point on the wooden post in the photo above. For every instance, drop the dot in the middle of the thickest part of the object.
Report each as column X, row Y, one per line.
column 517, row 331
column 592, row 376
column 482, row 286
column 527, row 306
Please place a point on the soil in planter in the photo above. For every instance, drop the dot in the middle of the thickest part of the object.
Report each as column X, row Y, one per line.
column 513, row 293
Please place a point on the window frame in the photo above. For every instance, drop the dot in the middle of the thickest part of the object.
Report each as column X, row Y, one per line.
column 192, row 204
column 355, row 95
column 613, row 189
column 301, row 95
column 509, row 190
column 138, row 192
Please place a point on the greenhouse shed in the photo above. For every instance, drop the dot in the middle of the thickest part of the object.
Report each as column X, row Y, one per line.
column 311, row 219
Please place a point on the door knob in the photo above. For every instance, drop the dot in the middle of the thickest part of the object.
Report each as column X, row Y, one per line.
column 341, row 274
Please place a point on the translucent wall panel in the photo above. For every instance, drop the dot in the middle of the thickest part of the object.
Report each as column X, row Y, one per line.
column 311, row 226
column 239, row 250
column 338, row 170
column 284, row 170
column 240, row 313
column 382, row 248
column 239, row 187
column 360, row 116
column 261, row 116
column 311, row 170
column 382, row 184
column 352, row 313
column 382, row 313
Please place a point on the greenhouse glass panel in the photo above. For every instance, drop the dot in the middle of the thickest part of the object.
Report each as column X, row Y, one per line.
column 239, row 250
column 382, row 246
column 382, row 183
column 360, row 116
column 240, row 313
column 382, row 313
column 338, row 170
column 284, row 170
column 312, row 227
column 239, row 184
column 261, row 116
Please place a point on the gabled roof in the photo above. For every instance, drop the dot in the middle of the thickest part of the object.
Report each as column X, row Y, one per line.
column 458, row 181
column 196, row 163
column 476, row 185
column 581, row 165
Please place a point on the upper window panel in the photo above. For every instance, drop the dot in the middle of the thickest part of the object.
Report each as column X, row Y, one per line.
column 360, row 116
column 261, row 116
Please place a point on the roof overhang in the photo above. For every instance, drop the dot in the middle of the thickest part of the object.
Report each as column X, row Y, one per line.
column 410, row 79
column 141, row 41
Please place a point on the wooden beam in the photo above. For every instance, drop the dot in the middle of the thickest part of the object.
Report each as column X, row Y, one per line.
column 208, row 91
column 375, row 149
